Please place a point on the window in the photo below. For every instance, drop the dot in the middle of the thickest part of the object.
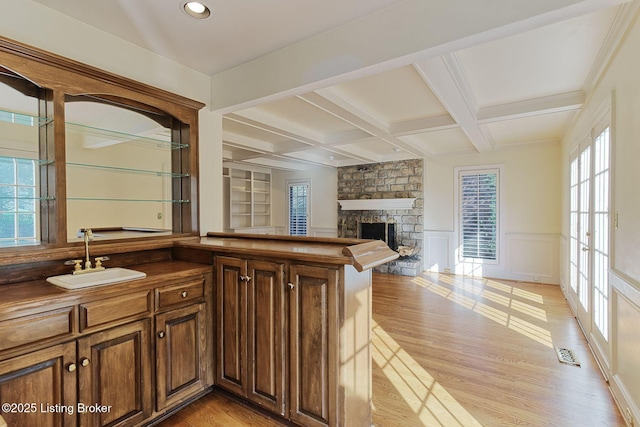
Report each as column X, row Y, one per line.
column 479, row 214
column 298, row 208
column 17, row 201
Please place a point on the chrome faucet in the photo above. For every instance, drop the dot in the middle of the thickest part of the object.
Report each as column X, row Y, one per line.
column 77, row 263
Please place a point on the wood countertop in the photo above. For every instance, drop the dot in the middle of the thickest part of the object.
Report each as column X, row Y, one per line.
column 362, row 254
column 36, row 294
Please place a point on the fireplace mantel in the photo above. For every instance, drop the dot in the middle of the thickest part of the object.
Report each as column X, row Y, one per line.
column 376, row 204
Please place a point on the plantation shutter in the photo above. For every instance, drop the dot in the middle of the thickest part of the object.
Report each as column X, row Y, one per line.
column 298, row 207
column 479, row 214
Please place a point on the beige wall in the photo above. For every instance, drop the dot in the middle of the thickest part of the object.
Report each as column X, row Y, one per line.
column 530, row 211
column 619, row 88
column 323, row 220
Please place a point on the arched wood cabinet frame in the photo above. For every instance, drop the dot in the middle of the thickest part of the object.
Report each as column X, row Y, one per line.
column 61, row 78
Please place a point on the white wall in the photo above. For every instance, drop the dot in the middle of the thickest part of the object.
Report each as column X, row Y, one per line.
column 620, row 86
column 530, row 224
column 323, row 221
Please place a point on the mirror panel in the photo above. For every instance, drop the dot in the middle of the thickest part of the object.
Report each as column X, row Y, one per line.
column 118, row 171
column 19, row 161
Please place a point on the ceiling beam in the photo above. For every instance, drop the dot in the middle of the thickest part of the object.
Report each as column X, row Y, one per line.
column 400, row 34
column 339, row 105
column 532, row 107
column 446, row 79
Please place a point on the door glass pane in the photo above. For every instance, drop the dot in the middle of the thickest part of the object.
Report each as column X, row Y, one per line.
column 600, row 236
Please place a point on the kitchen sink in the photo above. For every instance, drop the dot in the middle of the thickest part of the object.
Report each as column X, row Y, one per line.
column 96, row 278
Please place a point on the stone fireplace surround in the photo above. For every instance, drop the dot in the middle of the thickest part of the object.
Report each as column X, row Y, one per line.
column 388, row 180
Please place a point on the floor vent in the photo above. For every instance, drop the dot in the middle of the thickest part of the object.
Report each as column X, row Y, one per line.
column 566, row 355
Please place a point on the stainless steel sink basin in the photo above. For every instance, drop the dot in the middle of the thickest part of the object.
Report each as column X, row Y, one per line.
column 104, row 277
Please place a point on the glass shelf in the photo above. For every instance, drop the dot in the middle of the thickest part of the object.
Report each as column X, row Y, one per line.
column 38, row 161
column 17, row 118
column 105, row 199
column 45, row 198
column 103, row 137
column 129, row 170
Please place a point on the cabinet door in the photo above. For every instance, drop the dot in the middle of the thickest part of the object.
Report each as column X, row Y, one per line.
column 180, row 354
column 114, row 374
column 313, row 317
column 265, row 335
column 41, row 387
column 231, row 323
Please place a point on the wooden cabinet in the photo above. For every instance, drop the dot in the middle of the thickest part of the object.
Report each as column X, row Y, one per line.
column 107, row 381
column 40, row 388
column 180, row 354
column 114, row 376
column 313, row 337
column 89, row 361
column 251, row 329
column 286, row 343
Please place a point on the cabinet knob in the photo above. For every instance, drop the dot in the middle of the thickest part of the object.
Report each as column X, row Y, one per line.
column 161, row 334
column 247, row 278
column 71, row 367
column 184, row 294
column 291, row 285
column 85, row 362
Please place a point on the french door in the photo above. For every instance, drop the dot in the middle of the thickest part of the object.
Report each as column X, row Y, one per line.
column 589, row 226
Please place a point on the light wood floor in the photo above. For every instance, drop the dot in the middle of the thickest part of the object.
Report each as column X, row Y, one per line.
column 450, row 351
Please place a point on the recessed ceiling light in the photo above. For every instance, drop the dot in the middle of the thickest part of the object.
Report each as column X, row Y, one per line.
column 331, row 157
column 196, row 9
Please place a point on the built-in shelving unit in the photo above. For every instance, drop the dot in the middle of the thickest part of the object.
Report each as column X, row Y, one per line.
column 248, row 195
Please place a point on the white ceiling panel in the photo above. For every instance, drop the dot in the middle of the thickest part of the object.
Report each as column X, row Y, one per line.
column 542, row 62
column 543, row 128
column 438, row 143
column 394, row 96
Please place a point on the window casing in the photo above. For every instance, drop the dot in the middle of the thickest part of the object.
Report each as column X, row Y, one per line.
column 479, row 215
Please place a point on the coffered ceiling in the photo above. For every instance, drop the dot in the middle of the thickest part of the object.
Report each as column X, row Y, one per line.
column 522, row 88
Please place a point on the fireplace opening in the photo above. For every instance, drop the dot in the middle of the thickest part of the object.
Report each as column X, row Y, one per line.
column 385, row 231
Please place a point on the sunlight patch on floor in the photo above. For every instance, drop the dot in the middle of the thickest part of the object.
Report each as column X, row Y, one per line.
column 433, row 405
column 504, row 318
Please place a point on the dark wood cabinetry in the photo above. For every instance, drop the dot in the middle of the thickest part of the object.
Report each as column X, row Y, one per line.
column 114, row 376
column 91, row 363
column 313, row 337
column 294, row 338
column 180, row 354
column 40, row 387
column 250, row 330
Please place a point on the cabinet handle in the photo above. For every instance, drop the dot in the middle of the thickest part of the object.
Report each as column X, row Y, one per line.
column 291, row 285
column 71, row 367
column 247, row 279
column 85, row 362
column 161, row 334
column 184, row 294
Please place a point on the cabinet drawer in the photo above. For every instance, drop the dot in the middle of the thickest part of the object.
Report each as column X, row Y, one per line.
column 97, row 313
column 190, row 291
column 36, row 327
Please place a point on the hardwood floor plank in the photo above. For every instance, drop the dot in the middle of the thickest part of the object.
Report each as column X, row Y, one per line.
column 454, row 351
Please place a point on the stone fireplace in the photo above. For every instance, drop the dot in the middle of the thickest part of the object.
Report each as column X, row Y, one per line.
column 377, row 198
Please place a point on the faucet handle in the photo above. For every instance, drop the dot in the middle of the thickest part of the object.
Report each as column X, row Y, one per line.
column 77, row 264
column 99, row 260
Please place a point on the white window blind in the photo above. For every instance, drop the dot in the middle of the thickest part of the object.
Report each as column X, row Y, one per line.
column 17, row 201
column 479, row 214
column 298, row 208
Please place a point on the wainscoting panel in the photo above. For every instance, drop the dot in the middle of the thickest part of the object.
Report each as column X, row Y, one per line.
column 527, row 257
column 533, row 257
column 625, row 365
column 438, row 251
